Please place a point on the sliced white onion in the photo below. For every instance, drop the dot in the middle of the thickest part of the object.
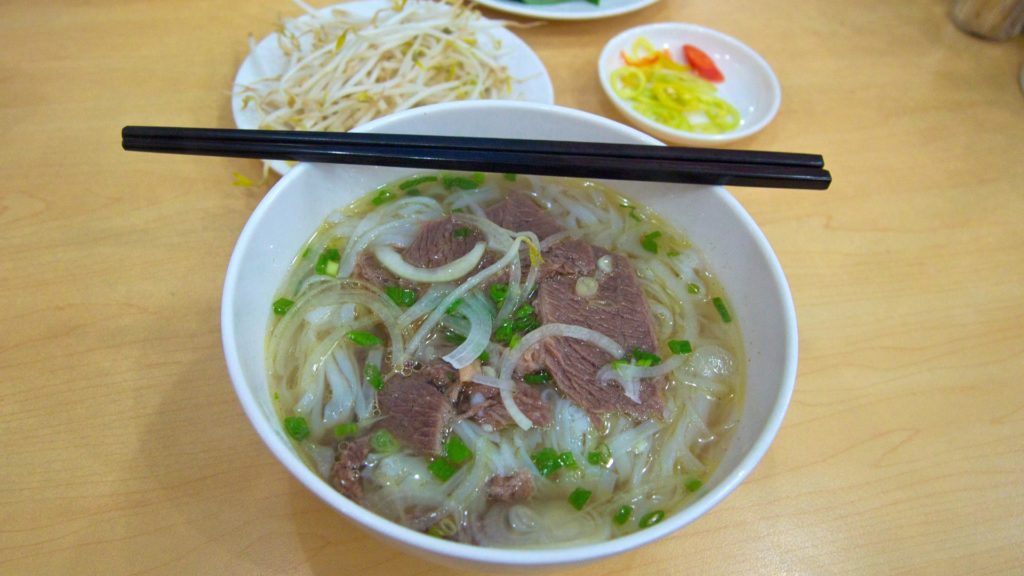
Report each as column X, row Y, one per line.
column 478, row 337
column 492, row 381
column 629, row 375
column 359, row 243
column 453, row 270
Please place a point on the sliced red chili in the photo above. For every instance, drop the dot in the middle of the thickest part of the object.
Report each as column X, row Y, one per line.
column 702, row 64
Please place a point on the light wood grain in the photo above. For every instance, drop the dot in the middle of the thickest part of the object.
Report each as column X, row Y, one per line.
column 124, row 450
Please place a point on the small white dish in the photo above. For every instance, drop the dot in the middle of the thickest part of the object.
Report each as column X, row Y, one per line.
column 570, row 10
column 750, row 84
column 532, row 81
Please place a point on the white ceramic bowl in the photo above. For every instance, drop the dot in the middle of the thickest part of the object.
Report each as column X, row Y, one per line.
column 713, row 219
column 750, row 84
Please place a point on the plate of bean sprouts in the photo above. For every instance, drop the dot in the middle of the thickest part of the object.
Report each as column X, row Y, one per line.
column 337, row 67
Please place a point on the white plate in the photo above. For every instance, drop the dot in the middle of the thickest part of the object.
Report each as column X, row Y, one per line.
column 570, row 10
column 750, row 84
column 532, row 82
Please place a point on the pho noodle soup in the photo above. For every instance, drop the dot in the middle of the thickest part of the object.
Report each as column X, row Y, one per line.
column 506, row 360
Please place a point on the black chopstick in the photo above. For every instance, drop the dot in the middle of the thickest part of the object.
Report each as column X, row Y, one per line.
column 541, row 157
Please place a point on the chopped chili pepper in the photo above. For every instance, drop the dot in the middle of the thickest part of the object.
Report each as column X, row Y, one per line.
column 702, row 64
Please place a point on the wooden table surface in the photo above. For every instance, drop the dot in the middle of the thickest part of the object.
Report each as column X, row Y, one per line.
column 124, row 449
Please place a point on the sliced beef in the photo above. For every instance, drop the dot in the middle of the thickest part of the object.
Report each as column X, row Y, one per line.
column 618, row 310
column 348, row 464
column 370, row 269
column 415, row 410
column 518, row 213
column 483, row 405
column 439, row 242
column 516, row 487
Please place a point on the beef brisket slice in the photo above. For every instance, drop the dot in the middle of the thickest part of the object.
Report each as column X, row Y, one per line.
column 483, row 405
column 518, row 213
column 516, row 487
column 348, row 463
column 439, row 242
column 416, row 411
column 618, row 310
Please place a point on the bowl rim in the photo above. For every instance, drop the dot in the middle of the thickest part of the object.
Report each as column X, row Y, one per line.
column 762, row 69
column 512, row 557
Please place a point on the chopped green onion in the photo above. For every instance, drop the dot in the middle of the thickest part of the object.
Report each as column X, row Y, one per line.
column 282, row 305
column 514, row 340
column 623, row 515
column 441, row 469
column 383, row 441
column 454, row 306
column 526, row 324
column 634, row 215
column 672, row 253
column 328, row 262
column 523, row 311
column 693, row 288
column 413, row 182
column 649, row 241
column 401, row 296
column 600, row 457
column 460, row 182
column 457, row 210
column 478, row 177
column 646, row 359
column 538, row 377
column 566, row 460
column 484, row 356
column 504, row 333
column 443, row 528
column 651, row 518
column 693, row 484
column 620, row 362
column 546, row 461
column 346, row 429
column 578, row 498
column 722, row 310
column 462, row 232
column 499, row 291
column 456, row 450
column 383, row 196
column 680, row 346
column 296, row 427
column 361, row 338
column 509, row 176
column 373, row 377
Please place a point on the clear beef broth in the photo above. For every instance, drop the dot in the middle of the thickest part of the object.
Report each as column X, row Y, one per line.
column 506, row 360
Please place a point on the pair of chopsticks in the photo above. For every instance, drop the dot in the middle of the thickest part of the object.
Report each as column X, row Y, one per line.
column 502, row 155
